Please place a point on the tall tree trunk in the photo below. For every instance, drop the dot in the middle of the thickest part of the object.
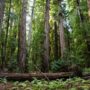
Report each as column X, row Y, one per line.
column 22, row 38
column 62, row 37
column 55, row 42
column 45, row 61
column 2, row 6
column 61, row 31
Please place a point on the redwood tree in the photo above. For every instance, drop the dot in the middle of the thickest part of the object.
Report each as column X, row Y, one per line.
column 2, row 6
column 62, row 37
column 45, row 61
column 22, row 38
column 56, row 56
column 61, row 30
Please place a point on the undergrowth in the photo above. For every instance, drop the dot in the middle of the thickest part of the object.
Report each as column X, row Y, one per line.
column 59, row 84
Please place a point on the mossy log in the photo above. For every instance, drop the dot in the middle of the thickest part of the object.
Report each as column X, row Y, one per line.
column 47, row 76
column 30, row 76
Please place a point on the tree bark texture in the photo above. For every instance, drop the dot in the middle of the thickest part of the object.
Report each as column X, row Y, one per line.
column 22, row 38
column 62, row 37
column 45, row 61
column 55, row 42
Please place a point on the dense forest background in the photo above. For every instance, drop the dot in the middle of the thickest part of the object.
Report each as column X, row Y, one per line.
column 44, row 35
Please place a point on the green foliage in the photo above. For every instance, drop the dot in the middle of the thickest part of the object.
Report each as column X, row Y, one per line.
column 86, row 70
column 3, row 80
column 69, row 84
column 79, row 31
column 60, row 65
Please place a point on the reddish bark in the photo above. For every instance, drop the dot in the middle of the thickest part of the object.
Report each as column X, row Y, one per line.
column 45, row 61
column 22, row 38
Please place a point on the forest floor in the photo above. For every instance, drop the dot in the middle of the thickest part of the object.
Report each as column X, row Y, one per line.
column 59, row 84
column 6, row 86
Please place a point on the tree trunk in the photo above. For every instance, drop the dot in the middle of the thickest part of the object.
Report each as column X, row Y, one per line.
column 55, row 42
column 2, row 6
column 30, row 76
column 22, row 39
column 45, row 61
column 62, row 37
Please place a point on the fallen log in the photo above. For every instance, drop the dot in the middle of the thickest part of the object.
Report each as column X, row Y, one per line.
column 30, row 76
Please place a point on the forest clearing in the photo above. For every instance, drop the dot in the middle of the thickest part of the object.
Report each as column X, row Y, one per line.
column 44, row 44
